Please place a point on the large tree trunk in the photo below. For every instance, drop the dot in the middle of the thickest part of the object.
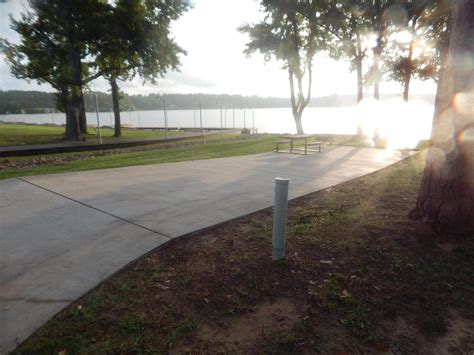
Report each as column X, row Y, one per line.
column 116, row 106
column 447, row 189
column 74, row 105
column 72, row 118
column 82, row 117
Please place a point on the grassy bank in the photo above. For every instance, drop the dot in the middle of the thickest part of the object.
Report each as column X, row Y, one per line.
column 193, row 149
column 359, row 277
column 22, row 134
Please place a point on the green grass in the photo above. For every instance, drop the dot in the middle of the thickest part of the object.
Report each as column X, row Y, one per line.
column 260, row 144
column 22, row 134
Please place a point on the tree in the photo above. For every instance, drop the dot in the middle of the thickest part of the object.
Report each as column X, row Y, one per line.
column 406, row 65
column 384, row 13
column 56, row 38
column 138, row 42
column 349, row 23
column 378, row 28
column 447, row 189
column 291, row 34
column 3, row 46
column 436, row 25
column 426, row 37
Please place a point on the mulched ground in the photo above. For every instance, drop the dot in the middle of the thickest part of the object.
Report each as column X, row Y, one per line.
column 359, row 277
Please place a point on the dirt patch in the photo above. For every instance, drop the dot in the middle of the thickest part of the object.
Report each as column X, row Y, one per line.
column 243, row 333
column 448, row 246
column 459, row 337
column 404, row 337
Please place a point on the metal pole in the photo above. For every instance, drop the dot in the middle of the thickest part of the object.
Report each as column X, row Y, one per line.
column 221, row 117
column 97, row 113
column 233, row 117
column 279, row 218
column 200, row 116
column 253, row 119
column 225, row 118
column 166, row 118
column 138, row 113
column 244, row 119
column 194, row 116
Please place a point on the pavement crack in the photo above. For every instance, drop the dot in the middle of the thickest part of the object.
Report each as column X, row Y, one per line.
column 95, row 208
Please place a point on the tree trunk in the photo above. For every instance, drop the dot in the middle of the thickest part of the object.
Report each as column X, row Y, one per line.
column 72, row 118
column 82, row 117
column 360, row 128
column 447, row 190
column 116, row 106
column 409, row 68
column 378, row 48
column 360, row 94
column 74, row 105
column 299, row 126
column 376, row 73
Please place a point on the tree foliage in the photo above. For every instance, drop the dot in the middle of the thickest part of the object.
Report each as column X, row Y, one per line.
column 349, row 23
column 426, row 37
column 291, row 34
column 138, row 42
column 70, row 43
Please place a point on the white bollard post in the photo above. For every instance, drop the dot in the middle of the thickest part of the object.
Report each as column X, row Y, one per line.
column 279, row 218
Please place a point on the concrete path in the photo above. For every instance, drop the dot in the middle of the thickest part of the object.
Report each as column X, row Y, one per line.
column 62, row 234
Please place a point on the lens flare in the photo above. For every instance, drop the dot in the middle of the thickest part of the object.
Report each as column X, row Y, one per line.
column 464, row 103
column 402, row 125
column 467, row 136
column 435, row 155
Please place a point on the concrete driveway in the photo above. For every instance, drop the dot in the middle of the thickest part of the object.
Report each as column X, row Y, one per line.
column 62, row 234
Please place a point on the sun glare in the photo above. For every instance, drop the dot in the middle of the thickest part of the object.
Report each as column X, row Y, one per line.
column 403, row 36
column 402, row 125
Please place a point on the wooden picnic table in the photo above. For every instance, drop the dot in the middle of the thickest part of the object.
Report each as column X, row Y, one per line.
column 307, row 142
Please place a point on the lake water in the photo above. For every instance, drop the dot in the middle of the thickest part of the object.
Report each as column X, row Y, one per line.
column 402, row 123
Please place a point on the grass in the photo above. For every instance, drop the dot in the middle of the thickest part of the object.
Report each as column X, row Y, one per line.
column 359, row 277
column 163, row 153
column 218, row 146
column 23, row 134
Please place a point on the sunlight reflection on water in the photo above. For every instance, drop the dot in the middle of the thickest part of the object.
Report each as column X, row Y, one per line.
column 401, row 124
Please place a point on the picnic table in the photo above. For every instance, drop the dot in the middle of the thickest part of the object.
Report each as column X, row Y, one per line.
column 309, row 141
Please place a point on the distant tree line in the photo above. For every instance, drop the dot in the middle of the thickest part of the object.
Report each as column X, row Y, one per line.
column 17, row 101
column 39, row 102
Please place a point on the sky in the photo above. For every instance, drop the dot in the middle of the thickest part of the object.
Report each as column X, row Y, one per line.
column 215, row 62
